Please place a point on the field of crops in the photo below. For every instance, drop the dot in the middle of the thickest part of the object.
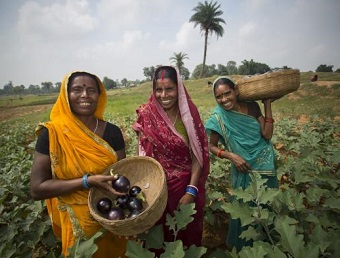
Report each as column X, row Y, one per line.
column 301, row 220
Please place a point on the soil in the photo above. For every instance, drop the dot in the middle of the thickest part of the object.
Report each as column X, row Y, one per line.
column 10, row 112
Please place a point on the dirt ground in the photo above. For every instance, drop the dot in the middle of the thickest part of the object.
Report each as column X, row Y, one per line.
column 6, row 113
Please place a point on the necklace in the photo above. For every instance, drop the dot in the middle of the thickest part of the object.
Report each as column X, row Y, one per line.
column 176, row 117
column 95, row 129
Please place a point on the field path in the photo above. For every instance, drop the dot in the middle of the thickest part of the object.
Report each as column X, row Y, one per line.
column 10, row 112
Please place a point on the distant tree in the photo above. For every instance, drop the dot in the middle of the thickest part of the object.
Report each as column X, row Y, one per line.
column 109, row 83
column 206, row 16
column 47, row 86
column 19, row 90
column 209, row 71
column 231, row 67
column 251, row 67
column 324, row 68
column 178, row 60
column 337, row 70
column 57, row 86
column 34, row 89
column 185, row 73
column 222, row 70
column 124, row 82
column 149, row 71
column 9, row 88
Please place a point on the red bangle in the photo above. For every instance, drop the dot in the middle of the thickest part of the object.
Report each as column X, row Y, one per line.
column 269, row 120
column 219, row 153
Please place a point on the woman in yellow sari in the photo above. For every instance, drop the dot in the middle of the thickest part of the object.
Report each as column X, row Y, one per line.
column 72, row 151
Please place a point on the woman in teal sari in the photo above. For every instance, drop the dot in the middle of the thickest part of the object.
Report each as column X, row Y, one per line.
column 245, row 133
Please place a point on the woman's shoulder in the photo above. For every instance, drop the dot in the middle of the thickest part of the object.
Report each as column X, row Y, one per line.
column 110, row 126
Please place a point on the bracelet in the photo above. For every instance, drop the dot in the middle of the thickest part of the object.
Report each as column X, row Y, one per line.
column 219, row 153
column 192, row 191
column 193, row 187
column 269, row 120
column 85, row 182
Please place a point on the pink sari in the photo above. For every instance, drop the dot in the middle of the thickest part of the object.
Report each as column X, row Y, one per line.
column 159, row 139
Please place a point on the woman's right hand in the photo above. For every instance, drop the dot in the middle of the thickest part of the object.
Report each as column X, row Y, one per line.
column 104, row 182
column 240, row 164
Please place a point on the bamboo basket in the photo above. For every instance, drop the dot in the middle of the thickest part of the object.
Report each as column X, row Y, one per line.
column 273, row 84
column 148, row 174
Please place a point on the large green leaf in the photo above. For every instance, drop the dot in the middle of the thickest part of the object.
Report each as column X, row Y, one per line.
column 84, row 248
column 135, row 250
column 290, row 240
column 173, row 249
column 194, row 251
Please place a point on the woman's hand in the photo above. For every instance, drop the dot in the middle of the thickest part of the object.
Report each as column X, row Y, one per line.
column 186, row 199
column 104, row 182
column 240, row 164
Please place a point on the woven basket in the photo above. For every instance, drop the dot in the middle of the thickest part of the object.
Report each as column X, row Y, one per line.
column 148, row 174
column 274, row 84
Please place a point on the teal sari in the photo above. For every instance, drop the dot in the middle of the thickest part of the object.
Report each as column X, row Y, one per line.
column 241, row 134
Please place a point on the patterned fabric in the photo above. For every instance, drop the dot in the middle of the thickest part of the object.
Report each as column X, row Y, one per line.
column 158, row 138
column 241, row 134
column 74, row 151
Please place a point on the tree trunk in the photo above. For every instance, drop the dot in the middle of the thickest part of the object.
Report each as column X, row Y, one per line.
column 205, row 52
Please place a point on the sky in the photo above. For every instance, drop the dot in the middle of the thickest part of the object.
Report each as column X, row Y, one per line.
column 43, row 40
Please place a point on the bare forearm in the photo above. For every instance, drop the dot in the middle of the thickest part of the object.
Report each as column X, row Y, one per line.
column 54, row 187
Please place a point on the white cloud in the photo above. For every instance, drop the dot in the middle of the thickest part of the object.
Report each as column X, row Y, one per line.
column 247, row 29
column 44, row 39
column 59, row 21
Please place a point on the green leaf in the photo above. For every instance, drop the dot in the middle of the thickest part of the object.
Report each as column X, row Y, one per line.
column 135, row 250
column 239, row 210
column 84, row 248
column 272, row 251
column 320, row 237
column 250, row 233
column 268, row 195
column 252, row 252
column 173, row 249
column 290, row 240
column 154, row 238
column 194, row 251
column 333, row 203
column 182, row 217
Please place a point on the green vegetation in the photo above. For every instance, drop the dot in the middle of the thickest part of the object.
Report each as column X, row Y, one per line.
column 301, row 220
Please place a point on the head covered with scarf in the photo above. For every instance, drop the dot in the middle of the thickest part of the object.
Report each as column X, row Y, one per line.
column 189, row 115
column 74, row 151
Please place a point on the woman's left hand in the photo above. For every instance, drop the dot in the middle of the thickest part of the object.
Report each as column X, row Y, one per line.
column 186, row 199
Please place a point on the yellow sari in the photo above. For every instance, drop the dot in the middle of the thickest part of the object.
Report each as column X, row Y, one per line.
column 74, row 151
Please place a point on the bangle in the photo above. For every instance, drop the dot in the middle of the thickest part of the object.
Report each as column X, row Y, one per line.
column 192, row 191
column 269, row 120
column 192, row 186
column 219, row 153
column 85, row 182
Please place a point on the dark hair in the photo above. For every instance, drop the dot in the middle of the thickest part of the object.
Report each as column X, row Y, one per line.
column 76, row 74
column 166, row 72
column 224, row 81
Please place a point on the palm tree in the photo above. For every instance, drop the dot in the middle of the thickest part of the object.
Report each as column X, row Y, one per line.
column 206, row 16
column 177, row 59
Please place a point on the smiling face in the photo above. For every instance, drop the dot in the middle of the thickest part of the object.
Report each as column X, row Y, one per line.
column 166, row 93
column 83, row 95
column 226, row 96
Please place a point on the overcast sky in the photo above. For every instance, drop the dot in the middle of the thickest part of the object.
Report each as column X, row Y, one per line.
column 42, row 40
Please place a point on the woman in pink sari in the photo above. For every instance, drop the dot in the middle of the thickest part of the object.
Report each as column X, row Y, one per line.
column 170, row 130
